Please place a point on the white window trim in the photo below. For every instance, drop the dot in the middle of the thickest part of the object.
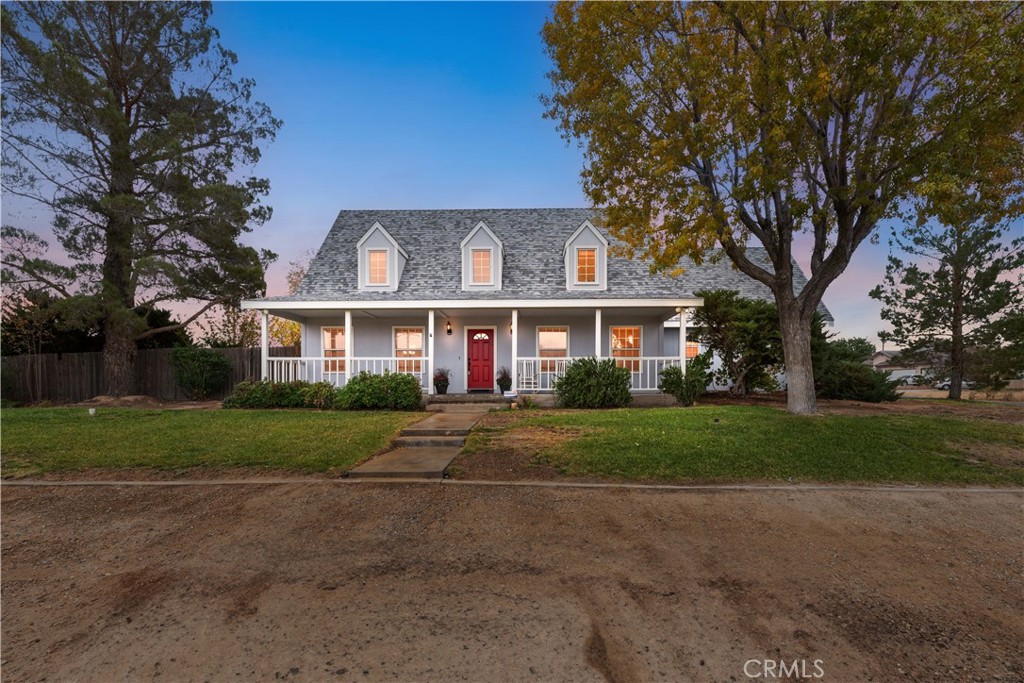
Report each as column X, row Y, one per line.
column 490, row 270
column 640, row 340
column 568, row 341
column 394, row 339
column 387, row 267
column 576, row 268
column 343, row 349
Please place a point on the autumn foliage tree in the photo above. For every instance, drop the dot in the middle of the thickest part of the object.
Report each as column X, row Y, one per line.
column 125, row 120
column 711, row 126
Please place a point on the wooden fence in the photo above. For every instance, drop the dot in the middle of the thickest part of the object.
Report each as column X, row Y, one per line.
column 73, row 377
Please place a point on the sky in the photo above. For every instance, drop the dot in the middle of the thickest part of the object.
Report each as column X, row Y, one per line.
column 419, row 105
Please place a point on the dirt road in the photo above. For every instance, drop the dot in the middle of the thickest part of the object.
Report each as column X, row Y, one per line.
column 312, row 582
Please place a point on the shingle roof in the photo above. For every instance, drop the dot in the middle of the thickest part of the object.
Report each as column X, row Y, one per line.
column 533, row 267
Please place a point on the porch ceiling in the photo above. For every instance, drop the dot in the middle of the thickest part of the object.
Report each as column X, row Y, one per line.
column 663, row 312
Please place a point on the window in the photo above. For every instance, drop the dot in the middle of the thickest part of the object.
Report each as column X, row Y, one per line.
column 409, row 344
column 626, row 346
column 481, row 266
column 552, row 342
column 586, row 266
column 334, row 347
column 692, row 350
column 378, row 270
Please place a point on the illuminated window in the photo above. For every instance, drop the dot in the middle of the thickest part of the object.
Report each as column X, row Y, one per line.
column 481, row 266
column 552, row 342
column 378, row 266
column 586, row 266
column 408, row 345
column 692, row 351
column 334, row 347
column 626, row 346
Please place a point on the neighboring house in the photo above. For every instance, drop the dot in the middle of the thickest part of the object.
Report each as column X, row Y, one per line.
column 477, row 289
column 896, row 366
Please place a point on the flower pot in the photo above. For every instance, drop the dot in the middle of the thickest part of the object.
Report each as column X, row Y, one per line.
column 440, row 388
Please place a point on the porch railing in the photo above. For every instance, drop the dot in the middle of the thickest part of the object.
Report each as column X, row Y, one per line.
column 539, row 374
column 337, row 370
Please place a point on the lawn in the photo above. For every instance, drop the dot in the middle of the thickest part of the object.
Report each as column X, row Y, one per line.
column 38, row 440
column 752, row 443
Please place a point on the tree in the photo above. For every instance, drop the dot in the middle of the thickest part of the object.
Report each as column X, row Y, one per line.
column 710, row 125
column 284, row 332
column 125, row 120
column 35, row 321
column 744, row 334
column 231, row 328
column 953, row 291
column 852, row 349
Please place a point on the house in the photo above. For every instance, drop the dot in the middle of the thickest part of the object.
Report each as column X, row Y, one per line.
column 477, row 289
column 898, row 366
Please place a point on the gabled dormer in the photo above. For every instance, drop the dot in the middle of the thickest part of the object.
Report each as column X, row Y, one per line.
column 586, row 259
column 381, row 260
column 482, row 258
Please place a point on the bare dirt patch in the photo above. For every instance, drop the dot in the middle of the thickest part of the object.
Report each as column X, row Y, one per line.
column 368, row 582
column 1001, row 455
column 145, row 402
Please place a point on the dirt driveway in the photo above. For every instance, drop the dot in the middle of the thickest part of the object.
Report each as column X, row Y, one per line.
column 369, row 582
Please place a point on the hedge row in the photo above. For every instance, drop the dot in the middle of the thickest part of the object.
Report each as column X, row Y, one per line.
column 390, row 391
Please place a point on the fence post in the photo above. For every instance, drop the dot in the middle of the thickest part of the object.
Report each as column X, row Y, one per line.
column 264, row 344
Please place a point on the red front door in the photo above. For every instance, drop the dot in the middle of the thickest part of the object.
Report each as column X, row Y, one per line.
column 480, row 358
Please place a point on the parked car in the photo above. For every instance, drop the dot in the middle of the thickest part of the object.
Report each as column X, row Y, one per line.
column 944, row 385
column 912, row 381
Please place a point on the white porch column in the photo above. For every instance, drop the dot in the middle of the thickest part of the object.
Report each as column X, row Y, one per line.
column 264, row 344
column 348, row 345
column 515, row 349
column 597, row 333
column 683, row 314
column 430, row 352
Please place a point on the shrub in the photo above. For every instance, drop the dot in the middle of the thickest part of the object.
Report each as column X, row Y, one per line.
column 856, row 382
column 201, row 373
column 687, row 388
column 390, row 391
column 590, row 383
column 269, row 395
column 319, row 396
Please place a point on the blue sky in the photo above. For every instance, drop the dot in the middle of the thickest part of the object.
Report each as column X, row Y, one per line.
column 417, row 105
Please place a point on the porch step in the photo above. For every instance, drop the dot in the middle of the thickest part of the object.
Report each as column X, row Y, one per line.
column 406, row 463
column 467, row 398
column 429, row 442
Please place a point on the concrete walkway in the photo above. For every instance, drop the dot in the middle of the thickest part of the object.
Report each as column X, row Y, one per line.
column 423, row 450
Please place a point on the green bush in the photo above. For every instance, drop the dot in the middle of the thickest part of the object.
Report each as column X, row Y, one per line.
column 687, row 388
column 319, row 395
column 590, row 383
column 201, row 373
column 856, row 382
column 269, row 395
column 390, row 391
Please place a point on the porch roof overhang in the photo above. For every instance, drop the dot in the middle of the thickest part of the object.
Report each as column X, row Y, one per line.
column 297, row 310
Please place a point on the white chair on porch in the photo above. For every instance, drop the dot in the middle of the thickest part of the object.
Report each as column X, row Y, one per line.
column 528, row 375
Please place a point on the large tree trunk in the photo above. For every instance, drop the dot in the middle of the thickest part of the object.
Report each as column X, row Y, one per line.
column 796, row 349
column 119, row 354
column 956, row 356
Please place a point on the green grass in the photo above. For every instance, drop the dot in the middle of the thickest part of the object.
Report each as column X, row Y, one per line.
column 744, row 443
column 38, row 440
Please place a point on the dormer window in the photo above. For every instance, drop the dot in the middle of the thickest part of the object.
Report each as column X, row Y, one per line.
column 378, row 266
column 381, row 260
column 482, row 274
column 586, row 266
column 482, row 256
column 586, row 259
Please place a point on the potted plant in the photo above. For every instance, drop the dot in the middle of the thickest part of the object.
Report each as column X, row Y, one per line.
column 442, row 377
column 504, row 378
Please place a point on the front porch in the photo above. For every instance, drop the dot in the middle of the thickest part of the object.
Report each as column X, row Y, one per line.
column 536, row 343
